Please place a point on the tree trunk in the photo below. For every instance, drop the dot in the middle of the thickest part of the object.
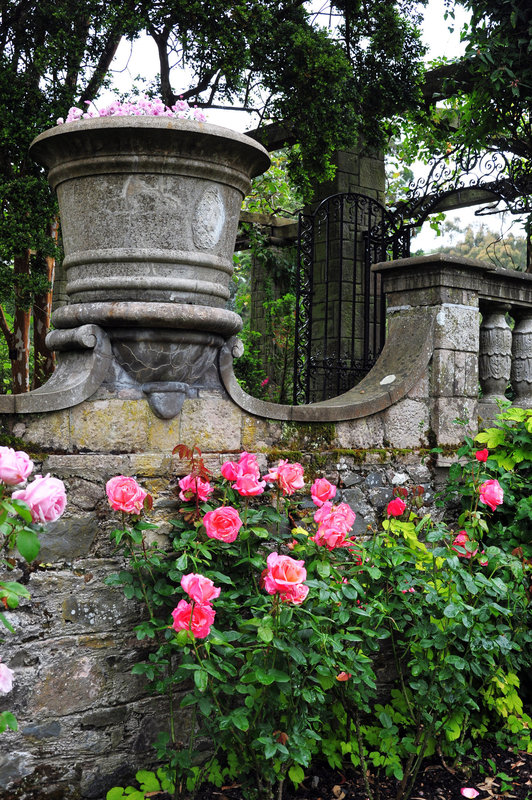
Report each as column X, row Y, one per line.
column 20, row 353
column 44, row 361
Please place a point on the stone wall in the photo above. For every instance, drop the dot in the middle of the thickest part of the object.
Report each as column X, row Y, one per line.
column 85, row 722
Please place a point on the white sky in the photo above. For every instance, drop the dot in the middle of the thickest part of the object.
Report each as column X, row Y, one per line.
column 442, row 38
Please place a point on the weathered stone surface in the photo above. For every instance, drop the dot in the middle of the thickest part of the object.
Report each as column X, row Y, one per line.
column 361, row 433
column 445, row 411
column 68, row 539
column 406, row 423
column 212, row 422
column 457, row 328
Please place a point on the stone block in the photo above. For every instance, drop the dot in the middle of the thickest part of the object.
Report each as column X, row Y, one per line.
column 259, row 434
column 213, row 422
column 372, row 174
column 111, row 425
column 420, row 390
column 445, row 411
column 443, row 373
column 67, row 540
column 361, row 433
column 457, row 328
column 51, row 430
column 406, row 423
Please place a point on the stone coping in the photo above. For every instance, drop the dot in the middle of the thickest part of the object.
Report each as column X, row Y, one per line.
column 401, row 364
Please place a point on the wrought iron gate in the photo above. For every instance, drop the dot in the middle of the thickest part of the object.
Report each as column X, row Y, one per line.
column 340, row 316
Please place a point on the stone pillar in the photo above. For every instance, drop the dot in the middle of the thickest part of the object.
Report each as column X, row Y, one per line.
column 521, row 370
column 495, row 352
column 447, row 289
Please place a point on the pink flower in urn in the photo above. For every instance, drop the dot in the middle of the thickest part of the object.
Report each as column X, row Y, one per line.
column 125, row 494
column 247, row 485
column 482, row 455
column 321, row 491
column 288, row 477
column 193, row 617
column 223, row 524
column 192, row 485
column 199, row 588
column 395, row 507
column 45, row 497
column 491, row 494
column 15, row 466
column 6, row 678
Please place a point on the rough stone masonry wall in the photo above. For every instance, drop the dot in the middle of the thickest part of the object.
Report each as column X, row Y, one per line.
column 85, row 721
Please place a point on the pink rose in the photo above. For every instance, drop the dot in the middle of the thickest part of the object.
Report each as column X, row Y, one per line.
column 283, row 573
column 296, row 595
column 46, row 498
column 247, row 485
column 491, row 494
column 482, row 455
column 199, row 588
column 223, row 524
column 288, row 477
column 124, row 494
column 192, row 485
column 6, row 678
column 193, row 617
column 459, row 543
column 231, row 471
column 15, row 466
column 395, row 507
column 330, row 537
column 321, row 491
column 248, row 464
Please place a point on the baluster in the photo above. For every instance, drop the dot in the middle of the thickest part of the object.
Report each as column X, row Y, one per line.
column 495, row 353
column 521, row 372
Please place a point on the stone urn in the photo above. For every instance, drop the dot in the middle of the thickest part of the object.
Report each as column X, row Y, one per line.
column 149, row 211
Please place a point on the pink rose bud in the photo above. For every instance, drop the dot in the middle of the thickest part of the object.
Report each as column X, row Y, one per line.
column 223, row 524
column 343, row 676
column 321, row 491
column 199, row 588
column 195, row 618
column 482, row 455
column 46, row 498
column 6, row 678
column 15, row 466
column 395, row 507
column 125, row 494
column 491, row 494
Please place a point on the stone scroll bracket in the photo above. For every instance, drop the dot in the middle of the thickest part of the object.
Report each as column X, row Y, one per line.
column 84, row 361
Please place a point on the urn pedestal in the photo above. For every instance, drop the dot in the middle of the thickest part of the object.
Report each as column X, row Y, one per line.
column 149, row 211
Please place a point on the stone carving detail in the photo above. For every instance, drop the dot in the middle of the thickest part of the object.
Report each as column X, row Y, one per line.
column 495, row 355
column 209, row 219
column 521, row 372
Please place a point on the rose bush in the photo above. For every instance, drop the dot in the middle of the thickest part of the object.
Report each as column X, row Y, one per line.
column 22, row 513
column 277, row 652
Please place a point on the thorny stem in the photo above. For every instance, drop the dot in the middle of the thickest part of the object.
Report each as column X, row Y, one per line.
column 356, row 720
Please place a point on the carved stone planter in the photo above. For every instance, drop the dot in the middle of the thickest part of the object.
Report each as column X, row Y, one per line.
column 149, row 212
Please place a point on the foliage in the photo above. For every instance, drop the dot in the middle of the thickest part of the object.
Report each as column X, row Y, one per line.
column 503, row 250
column 279, row 682
column 509, row 443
